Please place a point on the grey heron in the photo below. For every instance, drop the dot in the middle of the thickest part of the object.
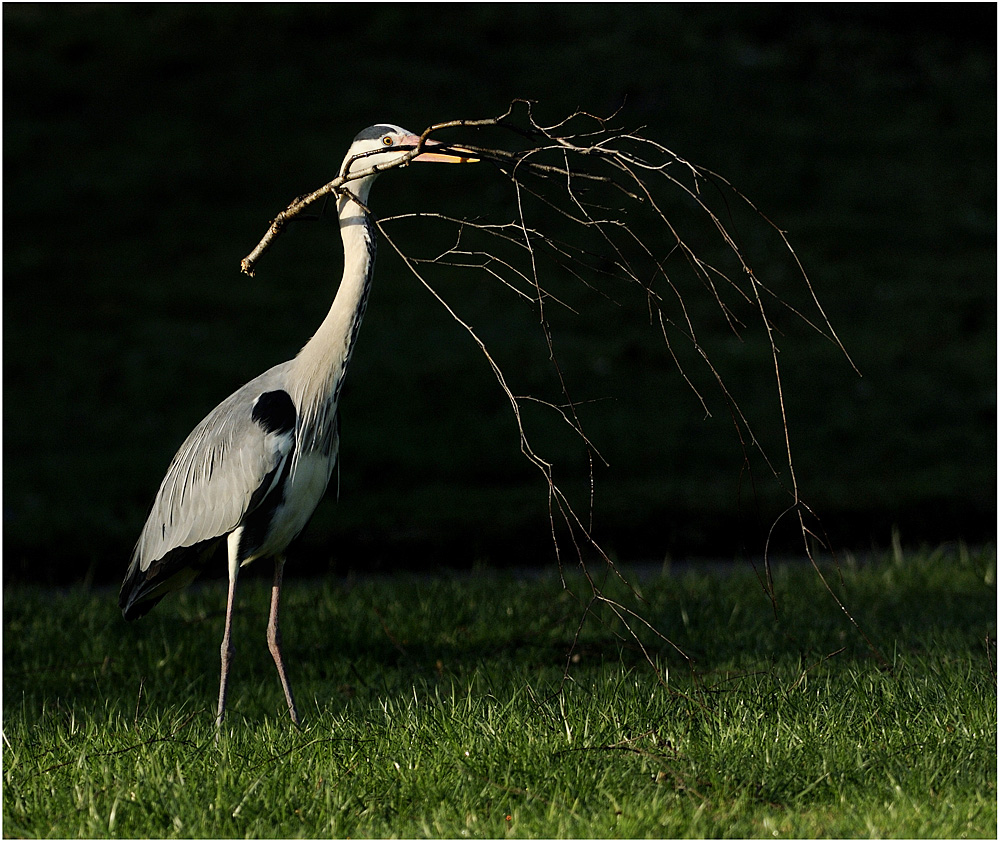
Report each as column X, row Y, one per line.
column 254, row 470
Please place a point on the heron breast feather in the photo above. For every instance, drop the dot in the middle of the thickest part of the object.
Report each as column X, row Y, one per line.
column 303, row 491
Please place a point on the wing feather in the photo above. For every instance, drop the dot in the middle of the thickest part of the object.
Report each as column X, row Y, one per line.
column 215, row 474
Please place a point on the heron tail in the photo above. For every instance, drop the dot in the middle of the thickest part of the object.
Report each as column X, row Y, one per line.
column 145, row 586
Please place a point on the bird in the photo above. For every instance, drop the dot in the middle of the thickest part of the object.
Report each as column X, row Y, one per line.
column 253, row 471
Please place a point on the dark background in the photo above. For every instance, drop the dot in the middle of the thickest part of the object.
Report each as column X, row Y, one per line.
column 146, row 148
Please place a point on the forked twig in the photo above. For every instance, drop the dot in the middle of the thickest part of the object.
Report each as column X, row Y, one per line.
column 615, row 189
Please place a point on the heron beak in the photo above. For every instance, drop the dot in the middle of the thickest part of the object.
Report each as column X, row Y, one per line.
column 454, row 155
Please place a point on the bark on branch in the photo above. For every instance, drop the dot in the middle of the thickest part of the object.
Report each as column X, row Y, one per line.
column 599, row 180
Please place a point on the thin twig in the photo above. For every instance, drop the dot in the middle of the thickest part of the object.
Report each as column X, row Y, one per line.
column 563, row 168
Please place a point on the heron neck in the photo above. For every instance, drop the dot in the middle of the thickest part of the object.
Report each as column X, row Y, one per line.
column 320, row 366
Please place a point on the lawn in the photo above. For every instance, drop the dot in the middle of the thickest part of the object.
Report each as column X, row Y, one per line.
column 146, row 147
column 439, row 706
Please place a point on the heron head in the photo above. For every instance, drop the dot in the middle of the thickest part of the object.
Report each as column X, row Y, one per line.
column 385, row 144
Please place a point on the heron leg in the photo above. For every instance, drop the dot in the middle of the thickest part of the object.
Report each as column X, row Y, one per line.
column 228, row 650
column 274, row 638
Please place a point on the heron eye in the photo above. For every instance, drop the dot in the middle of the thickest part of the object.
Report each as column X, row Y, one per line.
column 387, row 140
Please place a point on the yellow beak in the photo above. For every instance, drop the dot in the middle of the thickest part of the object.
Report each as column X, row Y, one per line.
column 454, row 155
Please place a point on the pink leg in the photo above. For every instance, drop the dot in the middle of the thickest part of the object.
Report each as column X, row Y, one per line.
column 274, row 638
column 228, row 650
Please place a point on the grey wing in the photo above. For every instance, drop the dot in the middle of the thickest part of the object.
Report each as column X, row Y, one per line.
column 224, row 469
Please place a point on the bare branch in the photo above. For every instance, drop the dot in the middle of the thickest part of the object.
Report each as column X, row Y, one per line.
column 605, row 211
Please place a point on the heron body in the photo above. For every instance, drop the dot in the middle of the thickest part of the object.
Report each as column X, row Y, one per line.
column 254, row 470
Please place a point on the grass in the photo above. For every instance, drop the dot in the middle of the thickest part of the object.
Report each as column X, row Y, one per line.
column 436, row 706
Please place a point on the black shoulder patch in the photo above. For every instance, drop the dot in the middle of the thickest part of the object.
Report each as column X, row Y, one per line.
column 275, row 412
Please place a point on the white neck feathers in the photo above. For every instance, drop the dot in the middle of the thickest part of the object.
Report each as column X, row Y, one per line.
column 318, row 370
